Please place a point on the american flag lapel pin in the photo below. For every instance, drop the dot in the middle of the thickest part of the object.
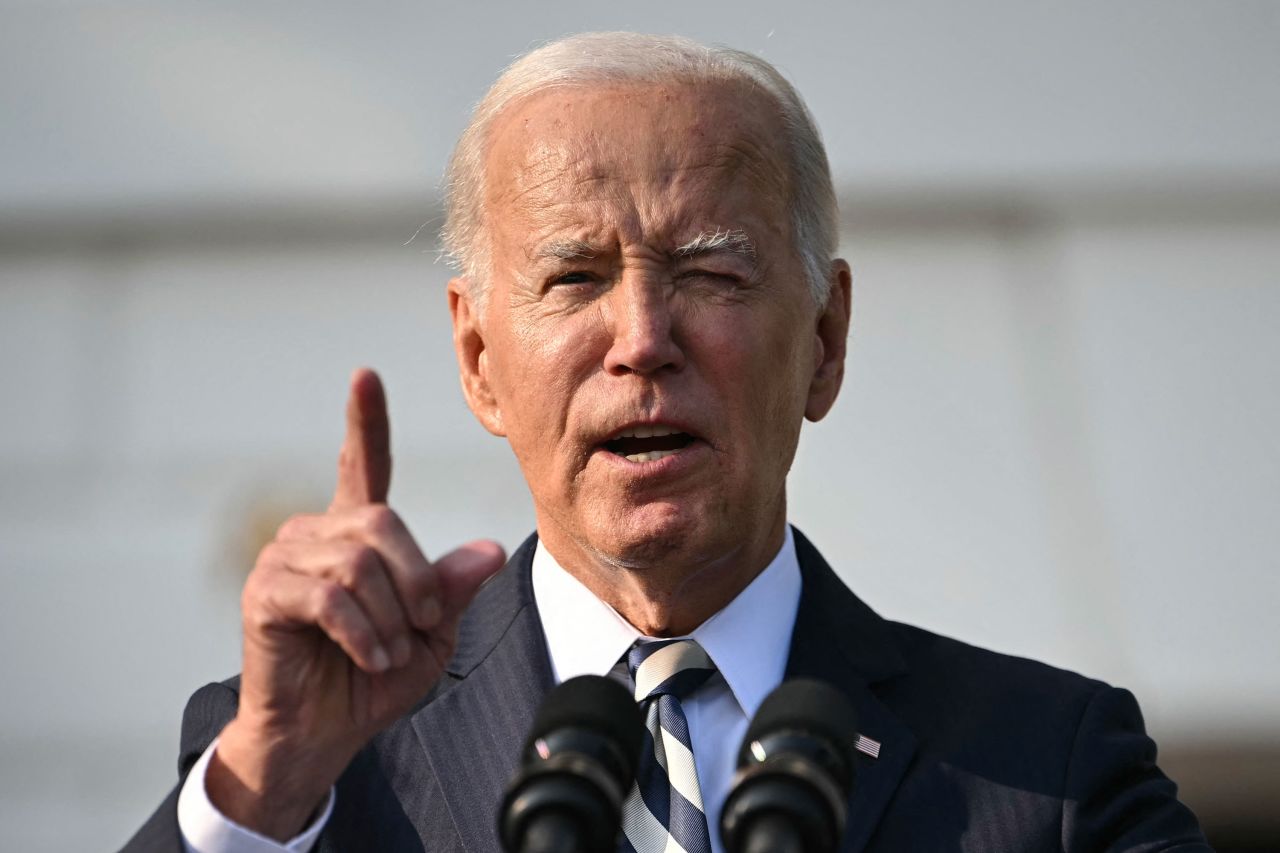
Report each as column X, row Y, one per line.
column 867, row 746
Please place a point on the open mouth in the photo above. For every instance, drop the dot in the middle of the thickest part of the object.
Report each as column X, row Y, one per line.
column 648, row 443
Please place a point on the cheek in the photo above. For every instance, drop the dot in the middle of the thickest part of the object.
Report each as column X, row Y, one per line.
column 543, row 367
column 766, row 370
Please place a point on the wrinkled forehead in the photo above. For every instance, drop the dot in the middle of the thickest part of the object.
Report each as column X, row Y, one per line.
column 657, row 144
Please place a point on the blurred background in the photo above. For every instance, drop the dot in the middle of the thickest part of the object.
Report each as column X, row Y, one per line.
column 1058, row 436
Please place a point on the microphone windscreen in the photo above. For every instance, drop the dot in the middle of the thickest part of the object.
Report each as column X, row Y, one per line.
column 598, row 704
column 811, row 706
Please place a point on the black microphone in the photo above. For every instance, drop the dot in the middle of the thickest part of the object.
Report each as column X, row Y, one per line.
column 795, row 772
column 577, row 767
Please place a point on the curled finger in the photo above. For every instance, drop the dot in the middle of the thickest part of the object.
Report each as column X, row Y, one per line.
column 293, row 600
column 361, row 571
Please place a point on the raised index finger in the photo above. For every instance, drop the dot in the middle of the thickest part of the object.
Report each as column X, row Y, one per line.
column 364, row 464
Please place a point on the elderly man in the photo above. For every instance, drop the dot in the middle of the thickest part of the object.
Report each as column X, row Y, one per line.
column 648, row 310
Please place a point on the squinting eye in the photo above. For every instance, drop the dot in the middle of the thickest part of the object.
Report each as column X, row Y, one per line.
column 573, row 278
column 710, row 274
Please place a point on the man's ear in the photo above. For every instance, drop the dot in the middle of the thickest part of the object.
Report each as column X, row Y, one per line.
column 831, row 334
column 473, row 357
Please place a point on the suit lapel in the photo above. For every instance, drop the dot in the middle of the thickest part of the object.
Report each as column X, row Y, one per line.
column 841, row 641
column 474, row 731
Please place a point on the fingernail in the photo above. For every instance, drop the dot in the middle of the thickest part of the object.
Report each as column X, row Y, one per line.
column 381, row 662
column 428, row 614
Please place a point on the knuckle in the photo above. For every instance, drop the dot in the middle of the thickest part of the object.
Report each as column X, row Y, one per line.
column 270, row 555
column 331, row 600
column 251, row 582
column 361, row 565
column 381, row 520
column 255, row 614
column 292, row 527
column 258, row 581
column 248, row 599
column 254, row 618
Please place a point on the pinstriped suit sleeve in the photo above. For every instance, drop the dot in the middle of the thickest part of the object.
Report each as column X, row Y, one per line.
column 207, row 713
column 1116, row 797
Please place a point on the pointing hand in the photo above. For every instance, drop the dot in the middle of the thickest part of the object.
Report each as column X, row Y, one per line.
column 346, row 626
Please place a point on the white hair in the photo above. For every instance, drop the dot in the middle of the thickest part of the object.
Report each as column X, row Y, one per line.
column 595, row 58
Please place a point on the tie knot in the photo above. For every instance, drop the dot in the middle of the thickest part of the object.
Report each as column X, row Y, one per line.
column 668, row 668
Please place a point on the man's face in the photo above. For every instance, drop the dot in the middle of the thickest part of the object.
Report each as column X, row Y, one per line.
column 648, row 345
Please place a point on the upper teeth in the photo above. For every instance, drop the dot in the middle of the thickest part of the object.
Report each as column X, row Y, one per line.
column 648, row 431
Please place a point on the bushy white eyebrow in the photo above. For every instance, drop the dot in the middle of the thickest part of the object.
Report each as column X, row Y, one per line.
column 567, row 250
column 734, row 241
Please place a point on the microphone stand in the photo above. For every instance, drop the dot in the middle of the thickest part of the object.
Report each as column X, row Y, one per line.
column 553, row 832
column 773, row 833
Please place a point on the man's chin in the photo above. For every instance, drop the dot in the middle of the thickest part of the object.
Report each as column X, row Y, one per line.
column 658, row 536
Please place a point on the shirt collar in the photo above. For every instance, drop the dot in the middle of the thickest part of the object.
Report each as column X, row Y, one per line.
column 749, row 639
column 585, row 636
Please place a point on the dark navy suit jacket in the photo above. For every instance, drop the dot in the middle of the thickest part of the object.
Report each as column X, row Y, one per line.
column 979, row 751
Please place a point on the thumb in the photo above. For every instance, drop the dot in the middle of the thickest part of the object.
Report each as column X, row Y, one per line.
column 464, row 570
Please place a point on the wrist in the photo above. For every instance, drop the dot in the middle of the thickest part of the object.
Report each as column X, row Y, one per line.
column 268, row 783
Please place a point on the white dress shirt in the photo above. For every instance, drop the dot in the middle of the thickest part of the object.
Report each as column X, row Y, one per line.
column 749, row 641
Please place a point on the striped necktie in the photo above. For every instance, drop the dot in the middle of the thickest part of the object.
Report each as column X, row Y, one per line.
column 664, row 813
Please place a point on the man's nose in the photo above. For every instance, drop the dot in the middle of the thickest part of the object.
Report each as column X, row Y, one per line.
column 644, row 333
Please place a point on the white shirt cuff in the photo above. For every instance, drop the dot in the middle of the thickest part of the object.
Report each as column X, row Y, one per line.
column 207, row 830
